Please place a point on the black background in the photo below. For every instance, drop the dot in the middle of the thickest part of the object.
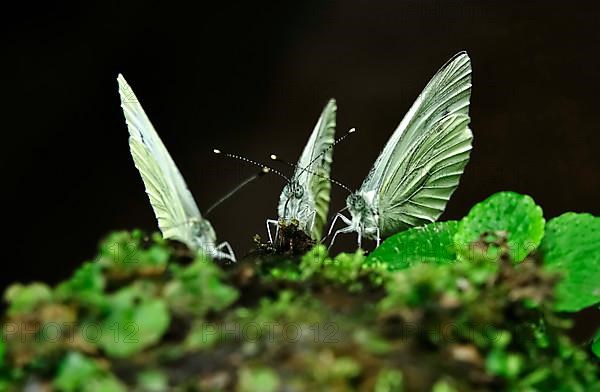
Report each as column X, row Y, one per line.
column 251, row 78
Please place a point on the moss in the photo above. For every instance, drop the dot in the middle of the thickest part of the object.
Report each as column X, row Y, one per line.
column 416, row 315
column 313, row 322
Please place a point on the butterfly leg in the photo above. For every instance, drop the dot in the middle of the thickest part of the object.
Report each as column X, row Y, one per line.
column 314, row 216
column 347, row 229
column 338, row 215
column 228, row 254
column 276, row 223
column 378, row 237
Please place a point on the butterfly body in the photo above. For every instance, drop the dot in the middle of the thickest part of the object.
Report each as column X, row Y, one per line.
column 203, row 235
column 296, row 206
column 364, row 213
column 364, row 217
column 420, row 166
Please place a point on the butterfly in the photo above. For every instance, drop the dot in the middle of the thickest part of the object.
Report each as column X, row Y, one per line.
column 176, row 211
column 420, row 166
column 304, row 200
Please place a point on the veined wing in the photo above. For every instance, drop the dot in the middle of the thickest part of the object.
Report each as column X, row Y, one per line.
column 431, row 172
column 319, row 147
column 171, row 200
column 433, row 135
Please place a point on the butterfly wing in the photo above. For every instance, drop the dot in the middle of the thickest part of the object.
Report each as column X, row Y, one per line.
column 171, row 200
column 420, row 167
column 319, row 147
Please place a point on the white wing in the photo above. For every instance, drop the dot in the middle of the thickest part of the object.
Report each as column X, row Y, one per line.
column 318, row 145
column 320, row 142
column 173, row 203
column 421, row 165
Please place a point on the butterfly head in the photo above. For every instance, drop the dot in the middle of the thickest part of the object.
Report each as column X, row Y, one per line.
column 294, row 190
column 201, row 228
column 357, row 203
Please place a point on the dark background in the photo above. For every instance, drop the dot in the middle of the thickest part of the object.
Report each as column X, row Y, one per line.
column 251, row 78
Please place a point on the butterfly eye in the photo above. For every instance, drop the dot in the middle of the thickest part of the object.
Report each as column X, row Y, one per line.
column 199, row 227
column 299, row 192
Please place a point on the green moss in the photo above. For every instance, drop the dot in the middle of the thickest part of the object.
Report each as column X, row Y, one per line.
column 136, row 320
column 152, row 381
column 77, row 373
column 174, row 321
column 259, row 379
column 197, row 288
column 389, row 380
column 26, row 298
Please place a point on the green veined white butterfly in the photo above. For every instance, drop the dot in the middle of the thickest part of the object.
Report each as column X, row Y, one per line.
column 305, row 197
column 173, row 204
column 420, row 166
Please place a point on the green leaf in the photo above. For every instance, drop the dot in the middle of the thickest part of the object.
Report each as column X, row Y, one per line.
column 137, row 320
column 596, row 344
column 504, row 213
column 433, row 243
column 571, row 247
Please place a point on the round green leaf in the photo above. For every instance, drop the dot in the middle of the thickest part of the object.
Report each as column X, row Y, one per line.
column 571, row 247
column 432, row 243
column 516, row 215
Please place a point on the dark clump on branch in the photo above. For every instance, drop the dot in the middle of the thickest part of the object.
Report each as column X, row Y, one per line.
column 290, row 241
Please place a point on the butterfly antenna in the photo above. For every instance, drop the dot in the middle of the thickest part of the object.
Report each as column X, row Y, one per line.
column 350, row 131
column 276, row 158
column 232, row 192
column 250, row 161
column 305, row 169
